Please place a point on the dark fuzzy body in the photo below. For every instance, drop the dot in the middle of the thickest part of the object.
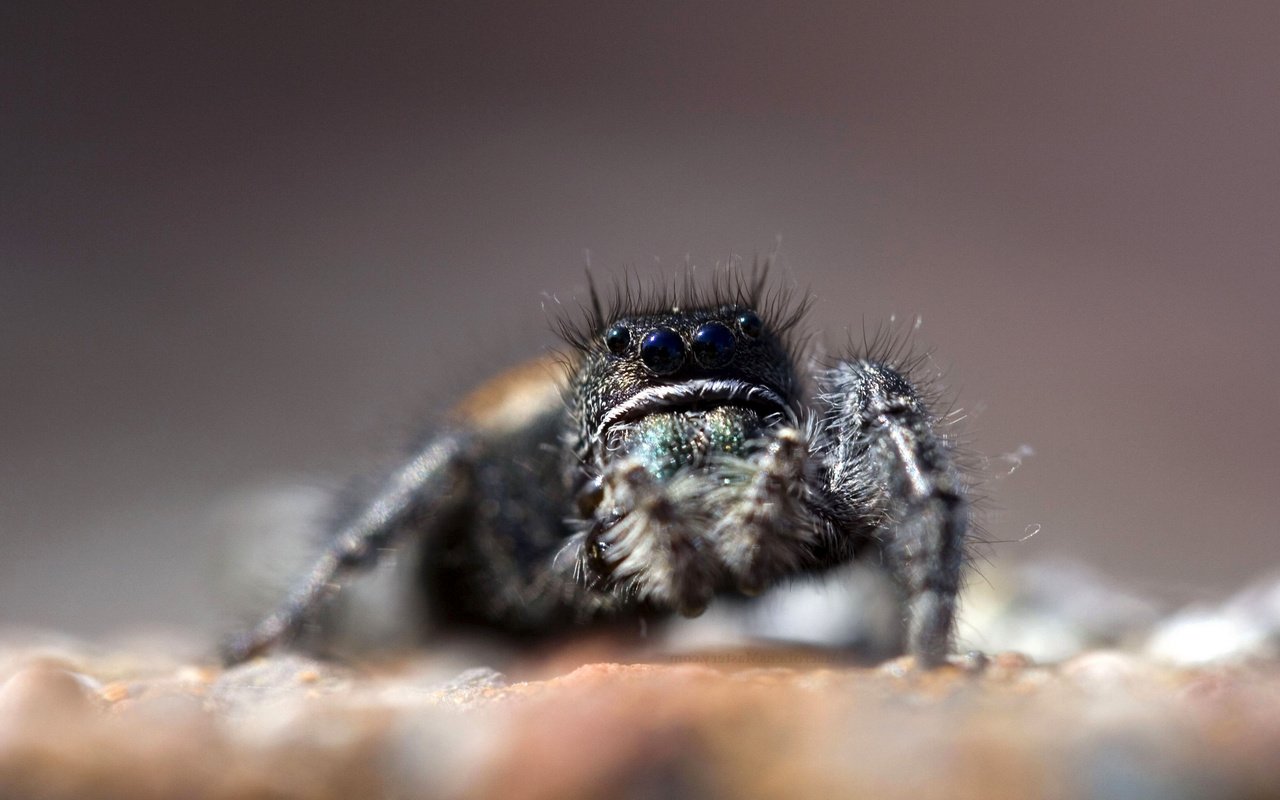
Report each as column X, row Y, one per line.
column 674, row 457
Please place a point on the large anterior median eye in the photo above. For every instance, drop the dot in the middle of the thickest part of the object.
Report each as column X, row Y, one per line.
column 662, row 351
column 713, row 345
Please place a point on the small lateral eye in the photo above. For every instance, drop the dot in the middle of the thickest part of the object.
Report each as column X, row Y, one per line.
column 750, row 324
column 662, row 351
column 713, row 345
column 617, row 339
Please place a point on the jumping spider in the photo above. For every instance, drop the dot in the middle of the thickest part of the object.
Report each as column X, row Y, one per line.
column 677, row 456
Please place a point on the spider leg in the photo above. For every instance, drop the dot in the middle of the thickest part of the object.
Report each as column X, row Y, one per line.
column 414, row 493
column 648, row 539
column 892, row 477
column 763, row 528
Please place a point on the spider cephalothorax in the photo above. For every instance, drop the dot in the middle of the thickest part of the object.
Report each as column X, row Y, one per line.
column 678, row 456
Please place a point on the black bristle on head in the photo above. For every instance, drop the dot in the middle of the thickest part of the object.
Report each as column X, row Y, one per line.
column 780, row 307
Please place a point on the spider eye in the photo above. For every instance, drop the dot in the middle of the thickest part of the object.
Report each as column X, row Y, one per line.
column 750, row 324
column 662, row 351
column 617, row 339
column 713, row 345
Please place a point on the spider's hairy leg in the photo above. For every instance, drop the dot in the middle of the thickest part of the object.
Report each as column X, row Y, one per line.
column 648, row 540
column 413, row 496
column 763, row 528
column 889, row 469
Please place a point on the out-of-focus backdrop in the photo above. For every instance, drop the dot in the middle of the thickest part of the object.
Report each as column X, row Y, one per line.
column 243, row 244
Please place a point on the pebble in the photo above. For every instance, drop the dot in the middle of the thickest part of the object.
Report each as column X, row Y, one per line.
column 1105, row 669
column 1199, row 636
column 42, row 690
column 39, row 699
column 266, row 681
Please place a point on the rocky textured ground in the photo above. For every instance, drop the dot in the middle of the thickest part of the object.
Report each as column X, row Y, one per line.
column 80, row 722
column 1091, row 692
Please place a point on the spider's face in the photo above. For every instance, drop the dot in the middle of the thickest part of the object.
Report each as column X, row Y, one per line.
column 670, row 388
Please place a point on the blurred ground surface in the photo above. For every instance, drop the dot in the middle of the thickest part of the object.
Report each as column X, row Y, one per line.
column 1123, row 699
column 97, row 724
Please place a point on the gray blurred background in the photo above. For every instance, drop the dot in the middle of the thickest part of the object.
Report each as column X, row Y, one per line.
column 242, row 245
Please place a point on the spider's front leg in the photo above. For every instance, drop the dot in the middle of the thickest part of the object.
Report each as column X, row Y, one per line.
column 647, row 540
column 413, row 498
column 893, row 477
column 763, row 529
